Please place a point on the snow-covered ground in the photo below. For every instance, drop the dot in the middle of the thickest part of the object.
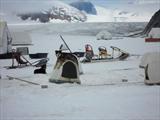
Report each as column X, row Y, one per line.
column 109, row 90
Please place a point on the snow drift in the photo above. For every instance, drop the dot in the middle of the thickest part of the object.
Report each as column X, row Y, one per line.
column 104, row 35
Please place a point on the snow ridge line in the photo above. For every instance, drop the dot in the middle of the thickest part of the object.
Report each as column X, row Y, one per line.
column 105, row 84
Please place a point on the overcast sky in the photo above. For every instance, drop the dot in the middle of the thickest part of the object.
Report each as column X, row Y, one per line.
column 117, row 2
column 22, row 5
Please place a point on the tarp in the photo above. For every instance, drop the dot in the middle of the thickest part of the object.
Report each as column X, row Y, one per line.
column 10, row 38
column 2, row 27
column 21, row 38
column 5, row 38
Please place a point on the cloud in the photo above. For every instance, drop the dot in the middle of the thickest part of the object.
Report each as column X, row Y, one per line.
column 147, row 1
column 16, row 6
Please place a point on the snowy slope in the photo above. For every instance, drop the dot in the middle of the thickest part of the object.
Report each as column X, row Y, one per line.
column 126, row 13
column 103, row 15
column 119, row 15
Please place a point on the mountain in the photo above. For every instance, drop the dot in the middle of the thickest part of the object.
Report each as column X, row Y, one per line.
column 85, row 6
column 124, row 13
column 118, row 15
column 58, row 11
column 82, row 11
column 103, row 15
column 154, row 22
column 42, row 11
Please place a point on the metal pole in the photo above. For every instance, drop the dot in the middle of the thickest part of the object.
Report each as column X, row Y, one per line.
column 65, row 44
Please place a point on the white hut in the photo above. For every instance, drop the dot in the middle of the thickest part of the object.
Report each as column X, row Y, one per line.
column 151, row 63
column 154, row 35
column 5, row 38
column 66, row 69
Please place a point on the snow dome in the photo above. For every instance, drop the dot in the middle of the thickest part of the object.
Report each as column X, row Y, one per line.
column 104, row 35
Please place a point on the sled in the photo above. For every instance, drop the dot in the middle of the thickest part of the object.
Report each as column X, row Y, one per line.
column 23, row 62
column 6, row 56
column 38, row 55
column 105, row 57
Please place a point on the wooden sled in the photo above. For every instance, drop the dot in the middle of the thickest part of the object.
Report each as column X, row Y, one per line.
column 108, row 57
column 23, row 62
